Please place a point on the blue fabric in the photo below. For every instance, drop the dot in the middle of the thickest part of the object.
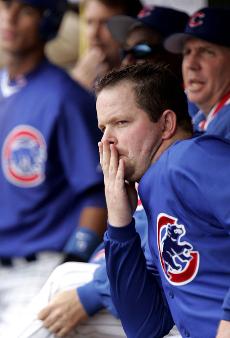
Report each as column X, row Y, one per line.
column 82, row 243
column 210, row 24
column 155, row 17
column 90, row 298
column 220, row 125
column 96, row 294
column 186, row 201
column 226, row 307
column 135, row 290
column 50, row 164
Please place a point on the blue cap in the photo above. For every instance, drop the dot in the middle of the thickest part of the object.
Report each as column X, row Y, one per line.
column 209, row 24
column 45, row 4
column 164, row 20
column 52, row 16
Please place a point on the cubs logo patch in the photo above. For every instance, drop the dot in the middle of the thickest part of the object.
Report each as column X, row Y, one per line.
column 23, row 156
column 145, row 11
column 178, row 260
column 196, row 20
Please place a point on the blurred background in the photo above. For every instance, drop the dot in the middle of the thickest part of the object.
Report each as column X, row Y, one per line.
column 70, row 43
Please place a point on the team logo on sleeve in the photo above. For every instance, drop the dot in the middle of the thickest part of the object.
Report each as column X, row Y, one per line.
column 24, row 156
column 178, row 260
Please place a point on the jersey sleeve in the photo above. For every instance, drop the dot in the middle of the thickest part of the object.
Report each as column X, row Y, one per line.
column 96, row 295
column 135, row 290
column 78, row 136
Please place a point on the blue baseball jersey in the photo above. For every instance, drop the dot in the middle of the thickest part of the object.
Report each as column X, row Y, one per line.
column 49, row 161
column 219, row 124
column 186, row 196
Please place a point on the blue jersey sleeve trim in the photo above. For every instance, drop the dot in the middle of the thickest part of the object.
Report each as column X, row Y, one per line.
column 90, row 298
column 122, row 234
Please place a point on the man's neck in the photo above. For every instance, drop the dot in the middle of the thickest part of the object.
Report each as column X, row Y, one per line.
column 20, row 65
column 179, row 136
column 206, row 109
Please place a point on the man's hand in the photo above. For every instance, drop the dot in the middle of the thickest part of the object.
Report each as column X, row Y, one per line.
column 224, row 329
column 91, row 66
column 63, row 313
column 121, row 197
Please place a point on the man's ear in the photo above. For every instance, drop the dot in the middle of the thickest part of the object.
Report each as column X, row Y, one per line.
column 168, row 124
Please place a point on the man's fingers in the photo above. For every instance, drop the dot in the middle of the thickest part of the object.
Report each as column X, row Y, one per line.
column 44, row 313
column 56, row 327
column 113, row 161
column 100, row 147
column 51, row 319
column 62, row 333
column 120, row 173
column 106, row 157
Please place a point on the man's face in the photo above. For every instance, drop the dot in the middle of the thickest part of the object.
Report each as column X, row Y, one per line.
column 96, row 16
column 127, row 126
column 137, row 36
column 19, row 26
column 206, row 72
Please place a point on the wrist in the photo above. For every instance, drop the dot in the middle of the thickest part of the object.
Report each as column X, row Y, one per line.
column 82, row 244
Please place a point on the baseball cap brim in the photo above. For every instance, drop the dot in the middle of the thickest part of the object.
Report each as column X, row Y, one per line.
column 120, row 25
column 175, row 43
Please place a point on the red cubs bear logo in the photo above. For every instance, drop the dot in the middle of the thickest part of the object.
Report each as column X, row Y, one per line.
column 179, row 261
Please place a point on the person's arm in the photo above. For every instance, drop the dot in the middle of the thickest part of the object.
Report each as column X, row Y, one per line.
column 135, row 292
column 95, row 295
column 87, row 235
column 77, row 137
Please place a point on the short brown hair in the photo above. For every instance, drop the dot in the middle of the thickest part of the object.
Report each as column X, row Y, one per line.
column 156, row 89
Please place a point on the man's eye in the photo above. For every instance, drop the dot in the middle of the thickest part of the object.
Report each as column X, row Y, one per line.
column 185, row 52
column 121, row 123
column 210, row 51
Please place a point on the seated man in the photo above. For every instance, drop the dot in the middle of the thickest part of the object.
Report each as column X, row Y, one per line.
column 51, row 183
column 142, row 112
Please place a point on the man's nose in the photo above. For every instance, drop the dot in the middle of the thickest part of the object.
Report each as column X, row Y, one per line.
column 11, row 14
column 191, row 61
column 109, row 137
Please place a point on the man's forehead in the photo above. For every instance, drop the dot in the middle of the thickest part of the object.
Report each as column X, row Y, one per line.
column 196, row 42
column 142, row 34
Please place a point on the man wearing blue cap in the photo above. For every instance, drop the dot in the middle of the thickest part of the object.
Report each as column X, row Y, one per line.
column 142, row 37
column 205, row 44
column 50, row 181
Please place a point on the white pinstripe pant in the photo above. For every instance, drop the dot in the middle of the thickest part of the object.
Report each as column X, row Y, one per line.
column 19, row 284
column 67, row 276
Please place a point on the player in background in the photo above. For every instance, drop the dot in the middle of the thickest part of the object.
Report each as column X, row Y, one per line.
column 103, row 52
column 50, row 178
column 205, row 45
column 142, row 37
